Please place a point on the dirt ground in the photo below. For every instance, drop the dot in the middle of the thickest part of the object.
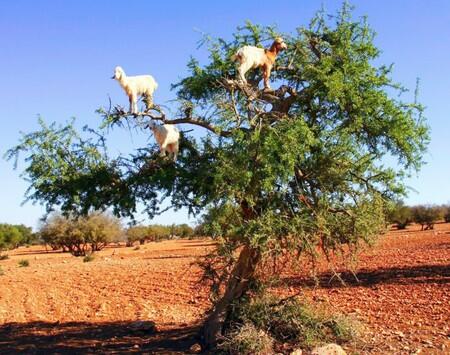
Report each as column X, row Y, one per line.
column 59, row 304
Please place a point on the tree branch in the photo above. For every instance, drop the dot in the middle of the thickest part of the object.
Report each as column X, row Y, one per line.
column 118, row 113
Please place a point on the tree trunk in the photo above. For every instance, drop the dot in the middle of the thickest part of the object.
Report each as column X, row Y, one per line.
column 236, row 287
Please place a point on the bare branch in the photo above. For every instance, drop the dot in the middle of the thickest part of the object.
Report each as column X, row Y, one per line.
column 119, row 113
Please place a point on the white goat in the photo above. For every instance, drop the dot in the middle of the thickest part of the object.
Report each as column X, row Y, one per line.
column 135, row 86
column 167, row 137
column 249, row 57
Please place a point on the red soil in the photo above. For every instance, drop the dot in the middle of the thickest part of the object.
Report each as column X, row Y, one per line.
column 60, row 304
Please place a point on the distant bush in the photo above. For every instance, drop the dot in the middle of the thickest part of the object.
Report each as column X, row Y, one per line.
column 4, row 256
column 426, row 215
column 137, row 234
column 99, row 229
column 80, row 236
column 88, row 258
column 157, row 232
column 400, row 215
column 24, row 263
column 13, row 236
column 183, row 231
column 446, row 214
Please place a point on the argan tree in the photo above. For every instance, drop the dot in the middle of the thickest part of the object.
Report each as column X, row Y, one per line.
column 81, row 235
column 293, row 170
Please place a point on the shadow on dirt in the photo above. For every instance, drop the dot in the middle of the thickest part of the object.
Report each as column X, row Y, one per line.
column 170, row 257
column 101, row 338
column 421, row 274
column 38, row 252
column 196, row 245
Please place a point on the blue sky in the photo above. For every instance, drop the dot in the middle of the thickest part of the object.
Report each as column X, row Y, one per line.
column 57, row 57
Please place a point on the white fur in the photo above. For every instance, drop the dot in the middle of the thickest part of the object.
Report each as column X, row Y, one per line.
column 167, row 137
column 135, row 86
column 250, row 57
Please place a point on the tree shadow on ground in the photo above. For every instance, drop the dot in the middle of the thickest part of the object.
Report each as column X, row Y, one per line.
column 420, row 274
column 38, row 252
column 198, row 243
column 101, row 338
column 170, row 257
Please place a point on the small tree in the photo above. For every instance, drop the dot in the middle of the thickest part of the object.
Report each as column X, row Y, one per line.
column 426, row 215
column 447, row 214
column 137, row 233
column 294, row 169
column 12, row 236
column 400, row 215
column 99, row 229
column 184, row 231
column 80, row 235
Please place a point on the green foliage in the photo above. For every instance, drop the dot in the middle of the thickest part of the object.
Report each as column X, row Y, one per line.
column 291, row 322
column 88, row 258
column 12, row 236
column 183, row 231
column 400, row 215
column 99, row 229
column 447, row 214
column 80, row 235
column 137, row 233
column 426, row 215
column 293, row 170
column 157, row 232
column 24, row 263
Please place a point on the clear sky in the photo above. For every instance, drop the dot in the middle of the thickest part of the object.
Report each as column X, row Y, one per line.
column 57, row 57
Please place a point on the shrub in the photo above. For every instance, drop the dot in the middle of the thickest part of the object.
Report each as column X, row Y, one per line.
column 10, row 237
column 88, row 258
column 184, row 231
column 447, row 214
column 13, row 236
column 24, row 263
column 82, row 235
column 247, row 339
column 290, row 321
column 400, row 215
column 137, row 233
column 157, row 232
column 426, row 215
column 4, row 257
column 99, row 229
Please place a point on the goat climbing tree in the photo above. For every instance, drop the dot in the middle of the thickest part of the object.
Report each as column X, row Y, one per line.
column 292, row 170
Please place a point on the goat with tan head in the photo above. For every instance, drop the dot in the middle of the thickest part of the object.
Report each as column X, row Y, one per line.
column 249, row 57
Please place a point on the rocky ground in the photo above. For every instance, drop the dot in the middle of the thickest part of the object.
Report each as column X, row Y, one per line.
column 148, row 300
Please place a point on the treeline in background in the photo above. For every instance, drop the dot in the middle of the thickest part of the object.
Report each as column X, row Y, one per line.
column 84, row 235
column 427, row 216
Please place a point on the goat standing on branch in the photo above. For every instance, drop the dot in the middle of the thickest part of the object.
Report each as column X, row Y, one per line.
column 249, row 57
column 167, row 137
column 135, row 86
